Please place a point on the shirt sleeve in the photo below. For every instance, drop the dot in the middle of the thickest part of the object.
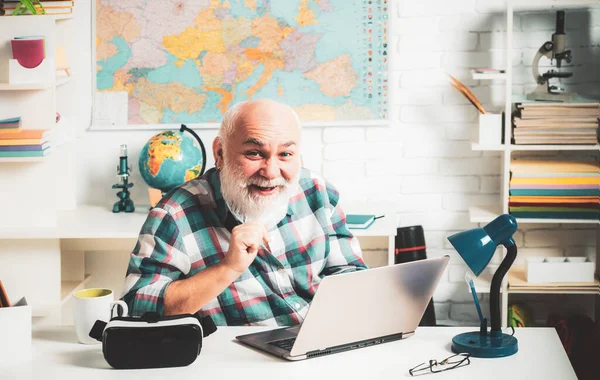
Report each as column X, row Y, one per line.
column 345, row 254
column 158, row 258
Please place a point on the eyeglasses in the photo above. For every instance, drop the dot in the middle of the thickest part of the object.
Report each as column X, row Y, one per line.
column 451, row 362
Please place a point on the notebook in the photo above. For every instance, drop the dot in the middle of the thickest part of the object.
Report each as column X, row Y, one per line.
column 359, row 221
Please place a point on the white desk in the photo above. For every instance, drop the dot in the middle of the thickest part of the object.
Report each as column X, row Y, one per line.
column 541, row 356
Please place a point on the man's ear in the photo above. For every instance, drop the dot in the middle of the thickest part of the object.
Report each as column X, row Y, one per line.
column 217, row 148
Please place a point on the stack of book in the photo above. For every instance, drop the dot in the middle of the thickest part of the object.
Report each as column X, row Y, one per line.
column 554, row 189
column 51, row 7
column 10, row 125
column 17, row 142
column 556, row 123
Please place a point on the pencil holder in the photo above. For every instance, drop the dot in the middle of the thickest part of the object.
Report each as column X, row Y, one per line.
column 490, row 129
column 15, row 333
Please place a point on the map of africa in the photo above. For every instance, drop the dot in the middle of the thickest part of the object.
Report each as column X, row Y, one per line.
column 188, row 61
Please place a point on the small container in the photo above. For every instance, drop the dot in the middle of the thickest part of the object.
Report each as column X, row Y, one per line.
column 15, row 333
column 490, row 129
column 29, row 51
column 560, row 270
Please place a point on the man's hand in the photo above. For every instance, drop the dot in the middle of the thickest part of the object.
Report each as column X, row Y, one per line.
column 246, row 240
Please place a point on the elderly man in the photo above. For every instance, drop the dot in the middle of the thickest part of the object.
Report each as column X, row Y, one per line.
column 248, row 242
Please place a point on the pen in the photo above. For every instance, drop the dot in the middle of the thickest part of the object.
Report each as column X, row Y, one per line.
column 472, row 286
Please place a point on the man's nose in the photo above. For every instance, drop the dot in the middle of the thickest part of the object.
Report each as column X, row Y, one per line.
column 270, row 169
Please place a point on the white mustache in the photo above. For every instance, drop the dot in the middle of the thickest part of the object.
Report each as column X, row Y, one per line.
column 267, row 183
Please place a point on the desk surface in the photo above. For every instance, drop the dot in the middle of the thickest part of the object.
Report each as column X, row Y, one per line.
column 56, row 355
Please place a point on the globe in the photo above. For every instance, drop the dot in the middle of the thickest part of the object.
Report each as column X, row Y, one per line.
column 172, row 158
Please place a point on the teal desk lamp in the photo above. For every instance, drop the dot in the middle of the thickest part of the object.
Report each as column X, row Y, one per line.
column 476, row 247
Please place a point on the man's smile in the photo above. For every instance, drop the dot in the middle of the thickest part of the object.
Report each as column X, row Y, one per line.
column 264, row 190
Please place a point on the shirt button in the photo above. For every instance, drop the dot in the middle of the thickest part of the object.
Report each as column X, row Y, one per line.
column 297, row 306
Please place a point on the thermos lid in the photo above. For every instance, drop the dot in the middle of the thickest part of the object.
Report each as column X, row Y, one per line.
column 410, row 244
column 411, row 236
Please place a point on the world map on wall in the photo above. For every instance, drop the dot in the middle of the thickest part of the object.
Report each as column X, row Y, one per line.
column 188, row 61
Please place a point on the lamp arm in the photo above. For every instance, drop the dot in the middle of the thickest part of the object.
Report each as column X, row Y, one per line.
column 511, row 255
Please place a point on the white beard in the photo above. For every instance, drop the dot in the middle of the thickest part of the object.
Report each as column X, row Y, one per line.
column 247, row 206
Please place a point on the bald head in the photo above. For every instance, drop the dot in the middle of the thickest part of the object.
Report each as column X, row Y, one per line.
column 262, row 111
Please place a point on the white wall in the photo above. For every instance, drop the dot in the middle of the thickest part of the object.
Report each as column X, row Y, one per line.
column 423, row 161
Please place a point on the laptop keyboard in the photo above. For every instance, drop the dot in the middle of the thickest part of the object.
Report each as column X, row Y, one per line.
column 286, row 344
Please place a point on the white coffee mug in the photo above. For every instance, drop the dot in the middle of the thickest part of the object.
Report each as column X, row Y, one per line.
column 90, row 305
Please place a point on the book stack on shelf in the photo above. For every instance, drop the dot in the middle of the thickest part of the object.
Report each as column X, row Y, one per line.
column 17, row 142
column 50, row 7
column 556, row 123
column 10, row 125
column 554, row 189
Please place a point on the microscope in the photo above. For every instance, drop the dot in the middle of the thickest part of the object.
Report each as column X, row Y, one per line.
column 124, row 203
column 553, row 50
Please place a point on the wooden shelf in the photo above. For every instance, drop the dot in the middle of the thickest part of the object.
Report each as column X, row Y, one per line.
column 67, row 288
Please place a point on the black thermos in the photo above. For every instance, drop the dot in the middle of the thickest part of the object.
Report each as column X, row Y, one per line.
column 410, row 246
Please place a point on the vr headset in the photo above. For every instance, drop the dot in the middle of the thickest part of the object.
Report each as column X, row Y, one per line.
column 152, row 341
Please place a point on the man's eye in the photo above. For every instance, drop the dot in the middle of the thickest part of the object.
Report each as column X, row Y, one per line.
column 253, row 153
column 285, row 154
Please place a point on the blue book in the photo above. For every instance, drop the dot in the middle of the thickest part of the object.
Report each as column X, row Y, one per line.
column 25, row 153
column 18, row 148
column 556, row 193
column 12, row 120
column 556, row 215
column 359, row 221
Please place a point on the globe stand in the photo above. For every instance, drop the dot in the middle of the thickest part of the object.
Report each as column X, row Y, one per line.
column 155, row 196
column 125, row 203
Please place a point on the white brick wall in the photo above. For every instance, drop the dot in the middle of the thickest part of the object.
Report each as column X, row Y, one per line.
column 423, row 162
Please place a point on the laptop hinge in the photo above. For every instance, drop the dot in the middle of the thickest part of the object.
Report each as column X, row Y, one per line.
column 354, row 346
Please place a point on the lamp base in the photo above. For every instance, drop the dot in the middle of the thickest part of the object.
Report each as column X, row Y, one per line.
column 485, row 346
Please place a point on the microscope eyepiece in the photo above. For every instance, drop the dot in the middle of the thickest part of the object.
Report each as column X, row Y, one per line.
column 560, row 22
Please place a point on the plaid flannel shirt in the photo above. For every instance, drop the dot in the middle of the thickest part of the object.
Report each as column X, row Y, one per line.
column 188, row 232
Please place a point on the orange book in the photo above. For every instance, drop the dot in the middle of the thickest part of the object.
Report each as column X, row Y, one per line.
column 11, row 142
column 10, row 130
column 25, row 134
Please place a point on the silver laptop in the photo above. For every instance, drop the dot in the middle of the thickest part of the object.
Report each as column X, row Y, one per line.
column 357, row 309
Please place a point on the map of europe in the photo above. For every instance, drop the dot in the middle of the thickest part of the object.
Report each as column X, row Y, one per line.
column 188, row 61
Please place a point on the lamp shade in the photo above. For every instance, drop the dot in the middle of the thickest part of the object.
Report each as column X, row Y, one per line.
column 477, row 246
